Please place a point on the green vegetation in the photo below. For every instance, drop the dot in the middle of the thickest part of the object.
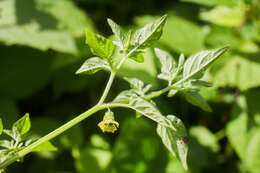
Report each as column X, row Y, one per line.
column 42, row 47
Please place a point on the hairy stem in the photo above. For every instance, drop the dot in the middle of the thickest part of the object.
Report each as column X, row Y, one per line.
column 109, row 84
column 51, row 135
column 125, row 57
column 164, row 90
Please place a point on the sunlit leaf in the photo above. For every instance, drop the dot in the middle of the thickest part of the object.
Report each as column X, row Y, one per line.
column 138, row 86
column 200, row 61
column 125, row 96
column 92, row 65
column 22, row 125
column 120, row 36
column 175, row 141
column 99, row 45
column 151, row 32
column 168, row 65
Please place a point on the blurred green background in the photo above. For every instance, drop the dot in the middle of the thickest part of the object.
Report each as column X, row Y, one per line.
column 42, row 45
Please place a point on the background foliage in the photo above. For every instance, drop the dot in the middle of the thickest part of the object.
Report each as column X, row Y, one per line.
column 42, row 45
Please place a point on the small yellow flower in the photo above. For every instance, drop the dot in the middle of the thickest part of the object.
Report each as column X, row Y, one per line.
column 108, row 124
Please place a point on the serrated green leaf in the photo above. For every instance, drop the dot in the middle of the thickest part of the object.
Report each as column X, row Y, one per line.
column 138, row 86
column 142, row 106
column 175, row 141
column 92, row 65
column 135, row 83
column 99, row 45
column 151, row 32
column 22, row 125
column 149, row 110
column 200, row 61
column 120, row 36
column 168, row 65
column 1, row 126
column 196, row 99
column 5, row 144
column 125, row 96
column 46, row 146
column 225, row 16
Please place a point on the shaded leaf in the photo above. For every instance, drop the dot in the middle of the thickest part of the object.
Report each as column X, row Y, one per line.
column 200, row 61
column 92, row 65
column 22, row 125
column 46, row 146
column 196, row 99
column 175, row 140
column 99, row 45
column 151, row 32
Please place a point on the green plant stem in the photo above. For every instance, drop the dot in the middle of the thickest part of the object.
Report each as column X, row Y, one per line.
column 125, row 57
column 164, row 90
column 220, row 134
column 51, row 135
column 109, row 84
